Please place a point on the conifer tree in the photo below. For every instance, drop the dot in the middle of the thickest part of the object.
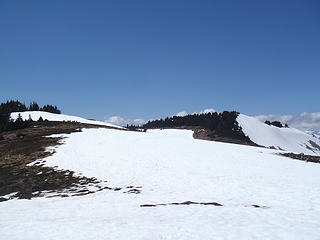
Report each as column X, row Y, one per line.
column 34, row 106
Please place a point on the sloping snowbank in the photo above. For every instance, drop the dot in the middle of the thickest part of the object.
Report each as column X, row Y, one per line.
column 171, row 166
column 289, row 139
column 35, row 115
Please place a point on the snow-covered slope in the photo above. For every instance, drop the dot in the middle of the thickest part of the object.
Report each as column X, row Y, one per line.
column 170, row 166
column 35, row 115
column 289, row 139
column 313, row 133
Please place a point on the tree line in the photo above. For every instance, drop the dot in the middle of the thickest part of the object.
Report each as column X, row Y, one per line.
column 16, row 106
column 7, row 124
column 221, row 124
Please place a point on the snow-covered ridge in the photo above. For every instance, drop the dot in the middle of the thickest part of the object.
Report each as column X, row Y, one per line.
column 288, row 139
column 35, row 115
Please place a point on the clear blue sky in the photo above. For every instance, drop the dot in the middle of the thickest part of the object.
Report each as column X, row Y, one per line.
column 155, row 58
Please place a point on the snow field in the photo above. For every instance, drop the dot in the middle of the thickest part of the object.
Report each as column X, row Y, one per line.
column 171, row 166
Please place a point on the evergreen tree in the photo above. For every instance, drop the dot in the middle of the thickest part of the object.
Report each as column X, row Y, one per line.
column 34, row 106
column 222, row 124
column 4, row 119
column 12, row 106
column 30, row 119
column 50, row 108
column 19, row 118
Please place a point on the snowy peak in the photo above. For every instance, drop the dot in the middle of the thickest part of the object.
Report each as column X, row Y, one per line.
column 35, row 115
column 288, row 139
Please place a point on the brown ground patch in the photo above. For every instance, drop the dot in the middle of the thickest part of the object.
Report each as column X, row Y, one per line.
column 210, row 135
column 21, row 147
column 302, row 157
column 182, row 203
column 197, row 203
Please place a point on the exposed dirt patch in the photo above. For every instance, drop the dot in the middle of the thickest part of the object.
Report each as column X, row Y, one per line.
column 302, row 157
column 182, row 203
column 197, row 203
column 210, row 135
column 21, row 147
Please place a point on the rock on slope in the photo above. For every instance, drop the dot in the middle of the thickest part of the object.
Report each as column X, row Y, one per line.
column 288, row 139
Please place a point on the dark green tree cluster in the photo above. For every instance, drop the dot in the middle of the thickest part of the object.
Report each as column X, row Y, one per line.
column 4, row 120
column 222, row 124
column 7, row 124
column 50, row 109
column 16, row 106
column 34, row 107
column 12, row 106
column 135, row 128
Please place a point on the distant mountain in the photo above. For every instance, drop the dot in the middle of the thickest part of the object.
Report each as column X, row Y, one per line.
column 288, row 139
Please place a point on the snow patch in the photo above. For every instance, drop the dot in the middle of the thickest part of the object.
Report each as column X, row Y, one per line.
column 35, row 115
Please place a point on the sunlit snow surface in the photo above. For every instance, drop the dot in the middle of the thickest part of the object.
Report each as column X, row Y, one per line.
column 35, row 115
column 171, row 166
column 289, row 139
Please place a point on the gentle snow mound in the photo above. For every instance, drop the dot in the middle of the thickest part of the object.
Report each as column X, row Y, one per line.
column 35, row 115
column 289, row 139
